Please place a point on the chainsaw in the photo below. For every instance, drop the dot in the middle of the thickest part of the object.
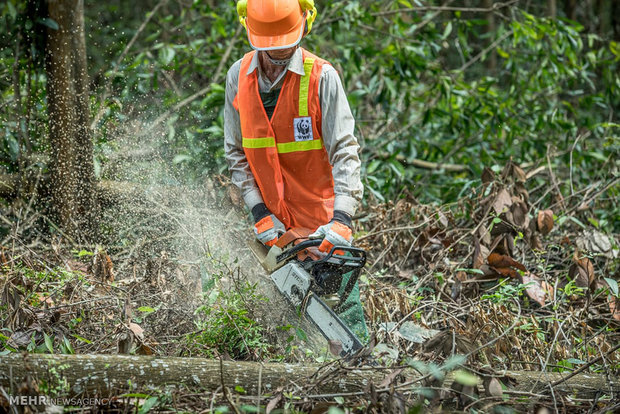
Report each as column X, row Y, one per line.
column 305, row 276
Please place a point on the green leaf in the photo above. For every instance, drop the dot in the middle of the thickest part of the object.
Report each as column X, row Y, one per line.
column 372, row 166
column 239, row 389
column 13, row 146
column 148, row 404
column 166, row 54
column 51, row 23
column 68, row 346
column 134, row 395
column 453, row 362
column 301, row 334
column 12, row 11
column 447, row 31
column 466, row 378
column 471, row 271
column 614, row 47
column 613, row 286
column 181, row 158
column 339, row 400
column 147, row 309
column 49, row 344
column 502, row 53
column 576, row 221
column 81, row 339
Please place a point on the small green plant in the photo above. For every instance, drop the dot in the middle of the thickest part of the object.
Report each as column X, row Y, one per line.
column 505, row 292
column 571, row 289
column 225, row 325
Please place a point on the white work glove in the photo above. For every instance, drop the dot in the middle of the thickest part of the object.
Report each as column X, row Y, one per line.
column 268, row 230
column 333, row 234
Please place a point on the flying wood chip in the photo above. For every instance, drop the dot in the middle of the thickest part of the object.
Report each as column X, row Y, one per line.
column 545, row 221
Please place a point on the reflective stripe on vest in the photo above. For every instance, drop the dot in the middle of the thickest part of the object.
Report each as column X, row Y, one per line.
column 285, row 147
column 304, row 87
column 259, row 142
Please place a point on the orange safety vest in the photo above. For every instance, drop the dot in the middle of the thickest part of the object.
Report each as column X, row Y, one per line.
column 286, row 154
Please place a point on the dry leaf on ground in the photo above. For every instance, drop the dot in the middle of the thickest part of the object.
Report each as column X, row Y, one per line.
column 545, row 221
column 596, row 242
column 582, row 271
column 501, row 260
column 137, row 330
column 614, row 306
column 538, row 290
column 502, row 202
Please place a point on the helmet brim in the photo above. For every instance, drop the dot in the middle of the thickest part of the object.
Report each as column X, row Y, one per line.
column 284, row 41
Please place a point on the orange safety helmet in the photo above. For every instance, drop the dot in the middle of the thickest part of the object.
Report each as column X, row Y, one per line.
column 276, row 24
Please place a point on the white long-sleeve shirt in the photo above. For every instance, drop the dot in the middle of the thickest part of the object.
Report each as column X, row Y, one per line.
column 337, row 124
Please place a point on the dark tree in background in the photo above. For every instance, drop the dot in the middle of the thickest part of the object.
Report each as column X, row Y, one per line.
column 71, row 164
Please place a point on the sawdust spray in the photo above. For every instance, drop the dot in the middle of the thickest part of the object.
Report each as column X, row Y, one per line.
column 159, row 217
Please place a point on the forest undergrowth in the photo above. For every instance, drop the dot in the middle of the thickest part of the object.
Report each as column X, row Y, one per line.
column 493, row 283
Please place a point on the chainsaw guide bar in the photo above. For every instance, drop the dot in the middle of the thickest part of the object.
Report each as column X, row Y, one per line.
column 297, row 281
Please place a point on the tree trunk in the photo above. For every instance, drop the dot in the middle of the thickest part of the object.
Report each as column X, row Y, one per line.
column 570, row 9
column 61, row 112
column 71, row 168
column 552, row 8
column 490, row 30
column 615, row 20
column 106, row 375
column 85, row 169
column 102, row 374
column 605, row 18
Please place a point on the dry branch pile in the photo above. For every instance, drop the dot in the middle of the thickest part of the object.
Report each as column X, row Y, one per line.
column 496, row 275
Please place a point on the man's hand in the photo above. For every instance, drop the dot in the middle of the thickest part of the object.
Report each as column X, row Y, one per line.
column 268, row 230
column 333, row 234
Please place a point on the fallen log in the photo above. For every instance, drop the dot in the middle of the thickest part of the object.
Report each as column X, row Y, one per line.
column 105, row 375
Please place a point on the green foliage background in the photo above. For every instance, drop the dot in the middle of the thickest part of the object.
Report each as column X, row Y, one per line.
column 420, row 83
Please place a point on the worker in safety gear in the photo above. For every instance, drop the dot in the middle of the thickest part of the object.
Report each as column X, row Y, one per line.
column 289, row 135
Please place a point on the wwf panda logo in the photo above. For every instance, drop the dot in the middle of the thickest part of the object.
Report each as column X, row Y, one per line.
column 303, row 128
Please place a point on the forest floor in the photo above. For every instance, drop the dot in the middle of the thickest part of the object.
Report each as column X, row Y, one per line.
column 496, row 282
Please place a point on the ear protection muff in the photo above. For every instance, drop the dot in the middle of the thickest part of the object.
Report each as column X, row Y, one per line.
column 242, row 11
column 307, row 7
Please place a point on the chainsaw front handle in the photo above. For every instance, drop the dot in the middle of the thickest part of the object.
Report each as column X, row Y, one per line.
column 356, row 260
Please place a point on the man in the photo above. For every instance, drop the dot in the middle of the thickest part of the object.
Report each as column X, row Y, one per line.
column 289, row 134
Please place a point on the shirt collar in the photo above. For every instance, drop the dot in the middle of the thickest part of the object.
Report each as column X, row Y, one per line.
column 296, row 65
